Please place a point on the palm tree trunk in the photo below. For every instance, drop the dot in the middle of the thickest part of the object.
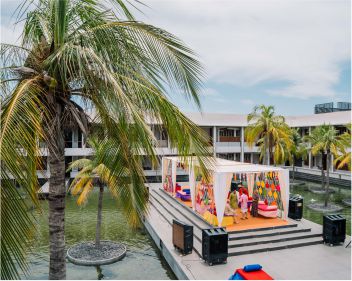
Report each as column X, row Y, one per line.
column 322, row 172
column 293, row 169
column 100, row 206
column 57, row 194
column 267, row 152
column 327, row 180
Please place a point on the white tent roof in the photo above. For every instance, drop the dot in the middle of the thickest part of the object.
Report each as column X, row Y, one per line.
column 224, row 166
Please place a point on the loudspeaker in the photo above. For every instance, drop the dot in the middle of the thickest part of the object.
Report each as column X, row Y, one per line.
column 295, row 209
column 334, row 229
column 215, row 245
column 182, row 237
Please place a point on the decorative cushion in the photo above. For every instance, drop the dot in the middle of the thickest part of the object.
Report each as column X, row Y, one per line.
column 264, row 207
column 252, row 267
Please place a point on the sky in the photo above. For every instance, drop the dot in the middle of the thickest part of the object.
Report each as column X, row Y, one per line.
column 292, row 54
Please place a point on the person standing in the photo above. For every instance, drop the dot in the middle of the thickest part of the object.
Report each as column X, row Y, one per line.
column 254, row 210
column 233, row 204
column 244, row 205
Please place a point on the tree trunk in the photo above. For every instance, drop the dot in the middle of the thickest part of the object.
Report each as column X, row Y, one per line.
column 293, row 169
column 322, row 172
column 100, row 206
column 327, row 179
column 266, row 160
column 57, row 194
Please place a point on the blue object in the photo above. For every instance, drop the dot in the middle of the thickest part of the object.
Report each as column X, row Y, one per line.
column 236, row 276
column 252, row 267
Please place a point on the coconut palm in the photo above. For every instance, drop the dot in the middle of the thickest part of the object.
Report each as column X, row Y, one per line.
column 74, row 55
column 344, row 157
column 324, row 139
column 97, row 170
column 269, row 131
column 314, row 137
column 298, row 150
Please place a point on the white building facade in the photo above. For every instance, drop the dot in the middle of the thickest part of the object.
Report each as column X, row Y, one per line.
column 226, row 132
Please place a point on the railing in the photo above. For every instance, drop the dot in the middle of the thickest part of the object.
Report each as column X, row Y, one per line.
column 229, row 139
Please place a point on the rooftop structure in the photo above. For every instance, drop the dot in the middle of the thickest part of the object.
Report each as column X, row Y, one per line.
column 329, row 107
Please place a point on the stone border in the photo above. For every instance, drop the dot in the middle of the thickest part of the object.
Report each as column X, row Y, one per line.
column 319, row 207
column 96, row 262
column 320, row 191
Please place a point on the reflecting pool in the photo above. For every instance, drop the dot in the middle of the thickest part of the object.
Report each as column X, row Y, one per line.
column 142, row 260
column 337, row 197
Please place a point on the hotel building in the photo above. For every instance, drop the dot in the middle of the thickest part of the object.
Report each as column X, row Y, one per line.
column 226, row 132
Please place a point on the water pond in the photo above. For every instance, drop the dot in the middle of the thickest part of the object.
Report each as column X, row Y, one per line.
column 142, row 260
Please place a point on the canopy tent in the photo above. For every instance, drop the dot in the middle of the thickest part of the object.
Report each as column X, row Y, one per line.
column 222, row 171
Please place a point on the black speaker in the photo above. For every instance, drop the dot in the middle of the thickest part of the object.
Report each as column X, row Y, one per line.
column 295, row 207
column 215, row 245
column 182, row 237
column 334, row 229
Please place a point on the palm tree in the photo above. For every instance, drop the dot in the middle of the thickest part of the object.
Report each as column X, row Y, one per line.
column 344, row 157
column 105, row 153
column 74, row 55
column 324, row 139
column 314, row 137
column 268, row 130
column 298, row 150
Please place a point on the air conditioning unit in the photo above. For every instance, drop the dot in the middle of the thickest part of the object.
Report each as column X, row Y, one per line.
column 182, row 237
column 214, row 245
column 334, row 229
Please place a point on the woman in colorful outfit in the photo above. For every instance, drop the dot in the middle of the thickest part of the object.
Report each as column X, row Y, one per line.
column 255, row 198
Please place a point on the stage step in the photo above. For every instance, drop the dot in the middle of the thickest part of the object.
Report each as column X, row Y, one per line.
column 166, row 212
column 275, row 246
column 269, row 240
column 267, row 233
column 182, row 207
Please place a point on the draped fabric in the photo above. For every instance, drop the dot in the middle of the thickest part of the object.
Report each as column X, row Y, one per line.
column 250, row 182
column 222, row 182
column 173, row 176
column 192, row 186
column 284, row 182
column 164, row 166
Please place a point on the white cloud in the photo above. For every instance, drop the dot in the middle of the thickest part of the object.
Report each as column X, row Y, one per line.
column 209, row 92
column 247, row 101
column 247, row 42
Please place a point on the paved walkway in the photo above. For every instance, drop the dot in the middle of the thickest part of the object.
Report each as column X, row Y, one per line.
column 311, row 262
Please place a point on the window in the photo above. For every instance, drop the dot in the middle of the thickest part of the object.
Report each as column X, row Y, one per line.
column 247, row 158
column 68, row 139
column 224, row 132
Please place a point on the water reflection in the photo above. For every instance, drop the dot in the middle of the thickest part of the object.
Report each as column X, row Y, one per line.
column 340, row 194
column 142, row 260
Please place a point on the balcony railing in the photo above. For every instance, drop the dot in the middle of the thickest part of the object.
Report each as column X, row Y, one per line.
column 229, row 139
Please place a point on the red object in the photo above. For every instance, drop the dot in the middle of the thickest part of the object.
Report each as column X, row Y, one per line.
column 243, row 190
column 254, row 275
column 267, row 208
column 267, row 185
